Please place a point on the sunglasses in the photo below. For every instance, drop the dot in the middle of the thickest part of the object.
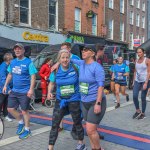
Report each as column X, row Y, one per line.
column 87, row 49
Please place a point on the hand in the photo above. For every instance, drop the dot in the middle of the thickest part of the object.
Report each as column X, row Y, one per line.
column 45, row 78
column 50, row 96
column 30, row 93
column 97, row 109
column 55, row 66
column 145, row 86
column 4, row 90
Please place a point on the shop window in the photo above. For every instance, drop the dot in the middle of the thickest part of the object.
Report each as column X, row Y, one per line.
column 94, row 25
column 77, row 20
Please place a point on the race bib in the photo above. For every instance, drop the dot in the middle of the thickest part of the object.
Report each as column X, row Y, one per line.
column 16, row 70
column 84, row 87
column 67, row 90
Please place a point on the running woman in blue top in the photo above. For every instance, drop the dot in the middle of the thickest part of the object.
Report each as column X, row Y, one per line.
column 120, row 72
column 93, row 101
column 22, row 72
column 67, row 98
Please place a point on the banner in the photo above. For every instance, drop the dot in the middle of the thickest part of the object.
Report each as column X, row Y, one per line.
column 136, row 42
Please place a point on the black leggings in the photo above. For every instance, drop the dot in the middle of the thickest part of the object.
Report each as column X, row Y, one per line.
column 59, row 113
column 3, row 103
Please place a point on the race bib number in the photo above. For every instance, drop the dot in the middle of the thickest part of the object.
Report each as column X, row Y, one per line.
column 16, row 70
column 67, row 90
column 84, row 87
column 120, row 77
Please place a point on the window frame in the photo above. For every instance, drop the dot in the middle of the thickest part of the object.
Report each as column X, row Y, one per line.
column 122, row 6
column 110, row 30
column 77, row 21
column 138, row 20
column 94, row 16
column 131, row 17
column 122, row 31
column 112, row 4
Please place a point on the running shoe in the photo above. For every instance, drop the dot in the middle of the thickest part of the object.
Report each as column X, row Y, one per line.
column 25, row 134
column 148, row 99
column 141, row 116
column 81, row 147
column 8, row 119
column 20, row 129
column 117, row 106
column 136, row 115
column 127, row 98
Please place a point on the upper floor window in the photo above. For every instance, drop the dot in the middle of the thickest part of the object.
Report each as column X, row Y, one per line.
column 137, row 3
column 131, row 17
column 138, row 20
column 110, row 29
column 131, row 2
column 77, row 20
column 131, row 40
column 143, row 6
column 52, row 15
column 143, row 22
column 142, row 39
column 122, row 6
column 121, row 31
column 25, row 11
column 94, row 25
column 111, row 4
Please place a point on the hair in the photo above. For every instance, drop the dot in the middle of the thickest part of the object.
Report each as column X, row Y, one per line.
column 60, row 52
column 132, row 59
column 8, row 57
column 99, row 47
column 115, row 60
column 46, row 61
column 143, row 50
column 67, row 44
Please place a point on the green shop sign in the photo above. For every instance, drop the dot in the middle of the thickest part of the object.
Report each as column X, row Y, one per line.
column 79, row 39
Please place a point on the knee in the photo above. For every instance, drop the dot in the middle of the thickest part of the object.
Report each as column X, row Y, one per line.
column 117, row 93
column 90, row 131
column 24, row 112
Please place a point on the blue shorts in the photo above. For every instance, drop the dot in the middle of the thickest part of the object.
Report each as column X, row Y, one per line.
column 15, row 99
column 120, row 83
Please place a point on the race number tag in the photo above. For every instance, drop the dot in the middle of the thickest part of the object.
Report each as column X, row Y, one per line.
column 66, row 90
column 84, row 87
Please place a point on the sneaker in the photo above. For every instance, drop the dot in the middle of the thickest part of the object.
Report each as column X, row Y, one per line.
column 20, row 129
column 25, row 134
column 127, row 98
column 117, row 106
column 81, row 147
column 141, row 116
column 8, row 119
column 136, row 115
column 115, row 101
column 148, row 99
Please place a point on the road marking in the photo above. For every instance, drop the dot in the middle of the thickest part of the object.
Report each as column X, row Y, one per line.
column 16, row 139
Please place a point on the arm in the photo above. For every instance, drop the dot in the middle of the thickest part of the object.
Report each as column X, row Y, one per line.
column 8, row 79
column 50, row 89
column 126, row 71
column 77, row 62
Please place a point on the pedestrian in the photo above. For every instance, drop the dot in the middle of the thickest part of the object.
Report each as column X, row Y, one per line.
column 100, row 53
column 3, row 75
column 120, row 72
column 112, row 82
column 22, row 72
column 93, row 100
column 44, row 73
column 141, row 82
column 131, row 74
column 67, row 98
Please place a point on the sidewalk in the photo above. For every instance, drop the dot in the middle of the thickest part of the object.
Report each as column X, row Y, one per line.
column 120, row 119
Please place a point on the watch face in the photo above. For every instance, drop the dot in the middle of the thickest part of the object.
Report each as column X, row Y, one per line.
column 1, row 128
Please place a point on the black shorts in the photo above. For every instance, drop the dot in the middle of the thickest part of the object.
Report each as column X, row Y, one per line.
column 121, row 83
column 15, row 99
column 88, row 111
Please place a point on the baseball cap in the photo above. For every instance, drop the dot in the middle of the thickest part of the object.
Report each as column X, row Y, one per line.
column 19, row 45
column 90, row 47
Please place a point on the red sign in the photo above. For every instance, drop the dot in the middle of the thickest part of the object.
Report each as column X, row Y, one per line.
column 137, row 42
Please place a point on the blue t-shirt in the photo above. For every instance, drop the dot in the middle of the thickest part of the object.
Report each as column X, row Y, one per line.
column 111, row 68
column 21, row 71
column 92, row 76
column 74, row 57
column 120, row 68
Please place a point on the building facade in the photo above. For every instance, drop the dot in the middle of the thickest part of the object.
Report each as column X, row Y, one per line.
column 136, row 22
column 148, row 19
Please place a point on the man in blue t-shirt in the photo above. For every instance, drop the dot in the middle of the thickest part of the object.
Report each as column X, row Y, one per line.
column 120, row 73
column 22, row 72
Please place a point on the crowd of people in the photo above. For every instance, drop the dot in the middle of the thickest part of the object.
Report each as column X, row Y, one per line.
column 79, row 88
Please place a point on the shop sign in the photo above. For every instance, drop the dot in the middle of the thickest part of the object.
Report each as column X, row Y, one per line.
column 35, row 37
column 78, row 39
column 137, row 42
column 90, row 14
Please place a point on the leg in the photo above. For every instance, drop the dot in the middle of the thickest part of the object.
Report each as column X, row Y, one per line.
column 44, row 94
column 5, row 112
column 117, row 89
column 123, row 90
column 2, row 98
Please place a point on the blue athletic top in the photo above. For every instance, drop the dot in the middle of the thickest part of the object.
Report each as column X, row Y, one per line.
column 66, row 79
column 120, row 68
column 3, row 76
column 91, row 77
column 111, row 68
column 21, row 71
column 74, row 57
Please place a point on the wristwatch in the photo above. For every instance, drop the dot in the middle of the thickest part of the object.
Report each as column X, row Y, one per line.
column 98, row 103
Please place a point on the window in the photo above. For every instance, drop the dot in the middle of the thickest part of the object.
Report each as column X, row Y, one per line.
column 77, row 20
column 96, row 1
column 121, row 31
column 131, row 2
column 110, row 29
column 137, row 3
column 122, row 6
column 143, row 6
column 142, row 39
column 143, row 22
column 25, row 11
column 137, row 37
column 111, row 4
column 137, row 20
column 131, row 40
column 131, row 17
column 53, row 15
column 94, row 25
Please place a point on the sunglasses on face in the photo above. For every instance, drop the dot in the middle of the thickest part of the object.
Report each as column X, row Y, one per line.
column 87, row 49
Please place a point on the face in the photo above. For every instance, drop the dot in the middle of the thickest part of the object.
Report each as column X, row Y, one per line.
column 19, row 52
column 50, row 62
column 100, row 53
column 120, row 60
column 65, row 47
column 114, row 62
column 140, row 53
column 86, row 53
column 64, row 59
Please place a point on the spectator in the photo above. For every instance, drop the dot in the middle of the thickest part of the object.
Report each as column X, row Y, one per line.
column 131, row 74
column 100, row 53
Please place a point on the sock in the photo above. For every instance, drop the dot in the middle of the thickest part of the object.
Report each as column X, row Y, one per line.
column 21, row 122
column 26, row 128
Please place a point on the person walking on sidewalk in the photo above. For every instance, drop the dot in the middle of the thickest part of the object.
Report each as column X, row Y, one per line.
column 141, row 82
column 93, row 100
column 67, row 98
column 44, row 73
column 120, row 72
column 131, row 74
column 22, row 72
column 3, row 75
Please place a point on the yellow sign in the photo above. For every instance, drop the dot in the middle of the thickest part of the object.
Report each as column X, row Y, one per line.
column 35, row 37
